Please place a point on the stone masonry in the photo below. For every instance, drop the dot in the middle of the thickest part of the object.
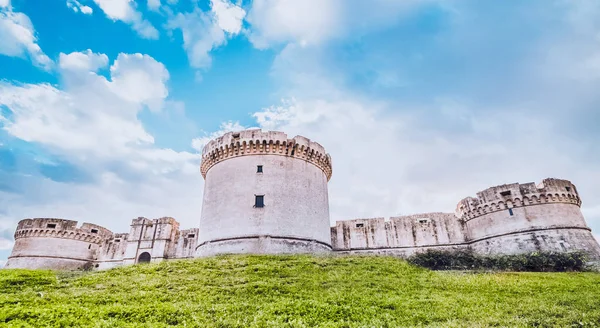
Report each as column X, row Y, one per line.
column 267, row 194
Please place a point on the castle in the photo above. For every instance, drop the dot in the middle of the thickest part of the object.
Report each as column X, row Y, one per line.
column 267, row 194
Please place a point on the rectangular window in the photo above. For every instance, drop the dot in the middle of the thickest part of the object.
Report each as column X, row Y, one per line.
column 360, row 225
column 568, row 189
column 117, row 240
column 259, row 169
column 191, row 235
column 94, row 230
column 510, row 211
column 259, row 201
column 505, row 193
column 51, row 225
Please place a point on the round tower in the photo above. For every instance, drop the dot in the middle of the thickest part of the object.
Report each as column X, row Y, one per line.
column 264, row 194
column 55, row 244
column 518, row 218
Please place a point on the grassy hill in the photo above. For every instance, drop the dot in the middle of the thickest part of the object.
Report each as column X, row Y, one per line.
column 296, row 291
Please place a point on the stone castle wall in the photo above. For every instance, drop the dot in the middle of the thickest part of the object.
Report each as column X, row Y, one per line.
column 292, row 175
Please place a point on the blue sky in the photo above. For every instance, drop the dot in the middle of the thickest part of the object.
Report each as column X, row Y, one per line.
column 105, row 104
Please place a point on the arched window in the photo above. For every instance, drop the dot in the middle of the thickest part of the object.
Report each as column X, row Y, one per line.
column 144, row 258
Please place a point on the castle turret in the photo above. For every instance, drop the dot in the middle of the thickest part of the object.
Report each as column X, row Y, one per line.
column 55, row 244
column 517, row 218
column 264, row 193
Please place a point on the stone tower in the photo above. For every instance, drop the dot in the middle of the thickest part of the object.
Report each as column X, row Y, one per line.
column 519, row 218
column 264, row 194
column 48, row 243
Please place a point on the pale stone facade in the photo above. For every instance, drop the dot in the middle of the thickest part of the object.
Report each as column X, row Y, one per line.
column 267, row 194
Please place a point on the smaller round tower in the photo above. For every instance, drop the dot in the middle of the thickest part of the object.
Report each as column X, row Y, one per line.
column 519, row 218
column 55, row 244
column 264, row 193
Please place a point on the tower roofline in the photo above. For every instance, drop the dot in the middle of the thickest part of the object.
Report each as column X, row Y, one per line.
column 258, row 142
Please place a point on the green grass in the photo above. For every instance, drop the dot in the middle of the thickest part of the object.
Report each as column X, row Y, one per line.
column 296, row 291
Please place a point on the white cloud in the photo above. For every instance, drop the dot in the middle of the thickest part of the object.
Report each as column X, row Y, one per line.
column 312, row 22
column 18, row 39
column 4, row 3
column 205, row 31
column 125, row 10
column 82, row 61
column 153, row 5
column 92, row 123
column 76, row 6
column 92, row 109
column 229, row 16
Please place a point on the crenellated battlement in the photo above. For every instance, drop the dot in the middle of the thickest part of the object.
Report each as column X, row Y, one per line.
column 515, row 195
column 257, row 142
column 60, row 228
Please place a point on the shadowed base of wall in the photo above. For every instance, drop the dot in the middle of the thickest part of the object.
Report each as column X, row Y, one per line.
column 55, row 263
column 261, row 245
column 548, row 240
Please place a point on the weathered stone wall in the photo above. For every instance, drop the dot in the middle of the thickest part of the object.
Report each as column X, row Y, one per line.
column 186, row 243
column 295, row 216
column 112, row 251
column 55, row 244
column 400, row 236
column 156, row 237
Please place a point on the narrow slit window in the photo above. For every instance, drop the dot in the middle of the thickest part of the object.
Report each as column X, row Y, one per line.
column 259, row 169
column 510, row 211
column 259, row 201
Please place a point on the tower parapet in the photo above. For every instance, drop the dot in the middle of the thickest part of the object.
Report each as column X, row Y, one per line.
column 257, row 142
column 37, row 241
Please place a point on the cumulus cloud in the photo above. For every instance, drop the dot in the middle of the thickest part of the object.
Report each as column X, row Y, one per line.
column 91, row 122
column 205, row 31
column 76, row 6
column 82, row 61
column 125, row 11
column 18, row 37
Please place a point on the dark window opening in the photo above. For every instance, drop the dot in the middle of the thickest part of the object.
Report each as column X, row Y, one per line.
column 51, row 225
column 117, row 240
column 259, row 201
column 510, row 211
column 191, row 235
column 90, row 246
column 505, row 193
column 259, row 169
column 360, row 225
column 423, row 220
column 568, row 189
column 94, row 230
column 236, row 135
column 144, row 258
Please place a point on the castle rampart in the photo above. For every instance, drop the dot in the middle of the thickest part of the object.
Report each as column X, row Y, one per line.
column 265, row 193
